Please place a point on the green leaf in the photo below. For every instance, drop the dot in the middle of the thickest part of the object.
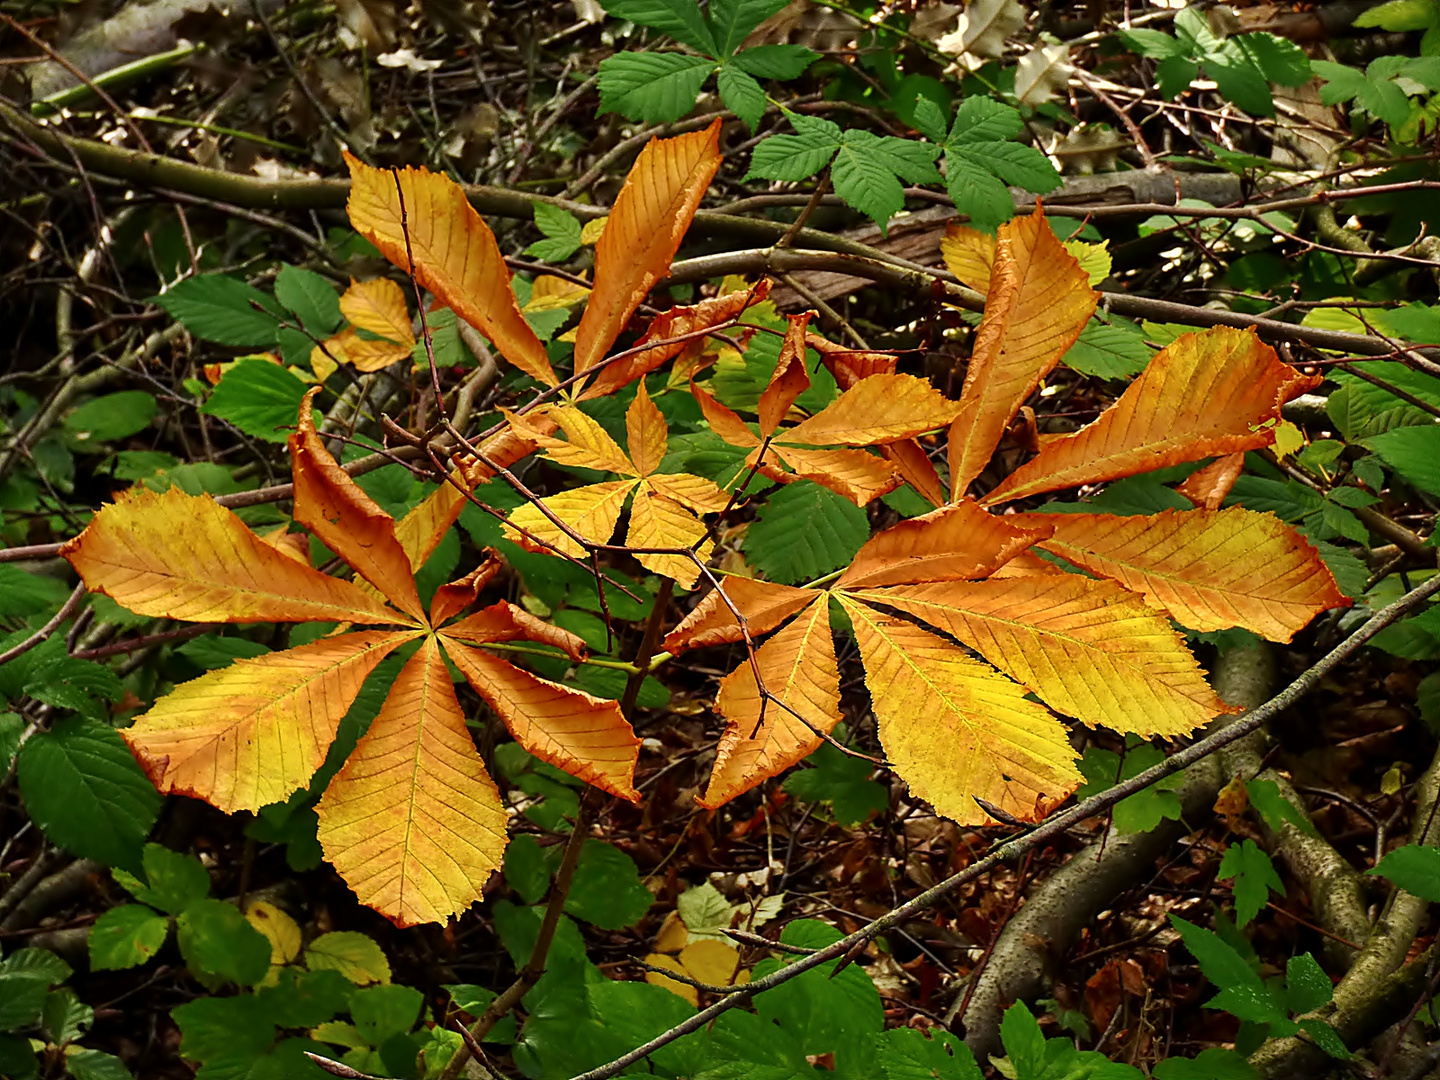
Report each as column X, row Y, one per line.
column 1241, row 84
column 930, row 118
column 126, row 937
column 606, row 890
column 1216, row 1063
column 1023, row 1040
column 799, row 156
column 12, row 727
column 1174, row 74
column 139, row 464
column 211, row 651
column 1278, row 59
column 215, row 939
column 655, row 88
column 741, row 94
column 25, row 594
column 306, row 998
column 775, row 61
column 803, row 531
column 173, row 880
column 65, row 1017
column 561, row 230
column 1307, row 987
column 681, row 19
column 821, row 1013
column 1152, row 44
column 1109, row 351
column 843, row 782
column 1414, row 868
column 113, row 416
column 868, row 169
column 906, row 1054
column 352, row 954
column 1254, row 876
column 41, row 963
column 744, row 1047
column 732, row 20
column 1400, row 16
column 215, row 1028
column 1413, row 452
column 381, row 1012
column 22, row 998
column 976, row 192
column 1023, row 166
column 981, row 120
column 83, row 789
column 1327, row 1038
column 217, row 308
column 310, row 298
column 1145, row 809
column 1415, row 638
column 529, row 867
column 1224, row 967
column 95, row 1065
column 1275, row 809
column 260, row 398
column 17, row 1060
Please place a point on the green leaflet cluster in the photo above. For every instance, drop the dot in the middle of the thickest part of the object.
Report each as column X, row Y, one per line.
column 659, row 87
column 1243, row 66
column 39, row 1016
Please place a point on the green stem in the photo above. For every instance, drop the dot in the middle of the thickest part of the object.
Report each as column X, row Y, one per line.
column 136, row 69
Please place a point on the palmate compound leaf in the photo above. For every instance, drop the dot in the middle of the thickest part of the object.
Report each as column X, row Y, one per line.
column 1208, row 569
column 663, row 508
column 1039, row 299
column 456, row 256
column 644, row 230
column 1206, row 394
column 953, row 726
column 254, row 732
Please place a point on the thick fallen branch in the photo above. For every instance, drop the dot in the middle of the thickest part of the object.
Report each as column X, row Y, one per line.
column 1048, row 830
column 860, row 260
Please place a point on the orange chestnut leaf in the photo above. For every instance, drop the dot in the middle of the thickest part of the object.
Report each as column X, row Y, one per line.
column 664, row 509
column 176, row 556
column 955, row 728
column 455, row 596
column 1038, row 301
column 456, row 256
column 586, row 736
column 849, row 366
column 644, row 230
column 244, row 736
column 1209, row 569
column 853, row 474
column 332, row 505
column 1207, row 487
column 916, row 469
column 379, row 306
column 763, row 604
column 412, row 822
column 878, row 409
column 953, row 543
column 1215, row 392
column 799, row 670
column 348, row 347
column 671, row 324
column 503, row 621
column 789, row 380
column 1087, row 648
